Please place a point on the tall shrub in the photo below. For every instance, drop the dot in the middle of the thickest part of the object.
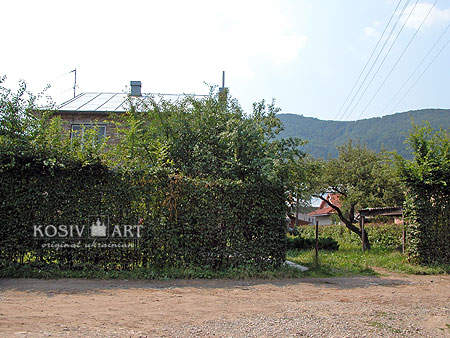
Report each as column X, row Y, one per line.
column 427, row 184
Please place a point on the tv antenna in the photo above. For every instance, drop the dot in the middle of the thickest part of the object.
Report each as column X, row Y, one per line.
column 75, row 81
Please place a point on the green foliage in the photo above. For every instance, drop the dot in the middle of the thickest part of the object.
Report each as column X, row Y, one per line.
column 15, row 270
column 204, row 137
column 300, row 243
column 381, row 235
column 18, row 124
column 360, row 178
column 380, row 133
column 186, row 221
column 427, row 205
column 302, row 175
column 205, row 180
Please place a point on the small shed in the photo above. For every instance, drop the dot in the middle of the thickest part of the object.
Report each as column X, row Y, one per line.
column 382, row 211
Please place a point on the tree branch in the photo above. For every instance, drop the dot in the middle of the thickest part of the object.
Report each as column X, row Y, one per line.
column 347, row 221
column 339, row 191
column 335, row 207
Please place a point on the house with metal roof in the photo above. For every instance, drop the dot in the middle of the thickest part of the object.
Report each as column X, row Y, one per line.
column 89, row 110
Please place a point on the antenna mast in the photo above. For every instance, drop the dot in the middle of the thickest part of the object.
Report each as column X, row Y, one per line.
column 75, row 81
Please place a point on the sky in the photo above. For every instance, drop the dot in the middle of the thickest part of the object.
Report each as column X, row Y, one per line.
column 305, row 54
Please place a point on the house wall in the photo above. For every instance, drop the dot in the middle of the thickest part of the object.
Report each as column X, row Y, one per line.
column 70, row 118
column 305, row 217
column 324, row 220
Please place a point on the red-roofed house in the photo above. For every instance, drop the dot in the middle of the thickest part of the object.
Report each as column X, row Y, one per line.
column 323, row 214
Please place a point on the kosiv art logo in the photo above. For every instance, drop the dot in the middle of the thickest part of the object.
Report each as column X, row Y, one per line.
column 97, row 227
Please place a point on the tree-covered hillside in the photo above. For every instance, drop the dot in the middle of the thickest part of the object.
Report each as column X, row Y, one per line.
column 387, row 132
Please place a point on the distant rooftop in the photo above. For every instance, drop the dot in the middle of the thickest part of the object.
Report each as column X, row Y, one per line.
column 112, row 102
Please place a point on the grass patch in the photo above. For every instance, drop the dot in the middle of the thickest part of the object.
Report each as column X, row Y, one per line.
column 54, row 272
column 347, row 261
column 350, row 260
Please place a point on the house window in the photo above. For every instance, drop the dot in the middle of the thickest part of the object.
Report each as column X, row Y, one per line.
column 79, row 131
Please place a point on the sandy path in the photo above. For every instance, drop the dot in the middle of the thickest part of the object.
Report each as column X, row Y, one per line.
column 390, row 306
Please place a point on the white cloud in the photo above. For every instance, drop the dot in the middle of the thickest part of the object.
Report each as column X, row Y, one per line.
column 371, row 32
column 376, row 23
column 436, row 17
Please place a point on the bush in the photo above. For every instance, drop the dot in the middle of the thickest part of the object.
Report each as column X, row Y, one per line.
column 427, row 185
column 300, row 243
column 380, row 235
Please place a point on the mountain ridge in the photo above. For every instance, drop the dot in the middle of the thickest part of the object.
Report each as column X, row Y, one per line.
column 378, row 133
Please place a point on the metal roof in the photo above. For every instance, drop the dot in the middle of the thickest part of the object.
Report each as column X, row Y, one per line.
column 114, row 102
column 382, row 211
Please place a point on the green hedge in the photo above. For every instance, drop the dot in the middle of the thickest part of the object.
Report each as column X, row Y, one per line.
column 428, row 227
column 426, row 179
column 186, row 222
column 380, row 235
column 300, row 243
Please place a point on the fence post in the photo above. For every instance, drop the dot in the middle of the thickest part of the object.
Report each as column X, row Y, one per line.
column 362, row 233
column 403, row 234
column 317, row 243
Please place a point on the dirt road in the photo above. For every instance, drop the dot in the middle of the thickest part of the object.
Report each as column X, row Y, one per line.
column 388, row 306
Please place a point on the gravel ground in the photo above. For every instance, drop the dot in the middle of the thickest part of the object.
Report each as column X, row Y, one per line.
column 388, row 306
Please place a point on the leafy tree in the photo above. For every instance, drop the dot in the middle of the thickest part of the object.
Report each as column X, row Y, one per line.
column 361, row 178
column 431, row 163
column 29, row 127
column 18, row 124
column 302, row 172
column 209, row 137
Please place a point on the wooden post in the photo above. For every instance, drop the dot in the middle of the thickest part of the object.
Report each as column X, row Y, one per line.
column 362, row 233
column 317, row 242
column 403, row 235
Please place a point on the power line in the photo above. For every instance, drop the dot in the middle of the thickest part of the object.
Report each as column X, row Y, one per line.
column 370, row 58
column 420, row 76
column 346, row 113
column 398, row 60
column 385, row 56
column 375, row 61
column 415, row 70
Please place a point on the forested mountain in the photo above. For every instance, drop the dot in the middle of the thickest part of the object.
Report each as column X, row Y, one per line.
column 387, row 132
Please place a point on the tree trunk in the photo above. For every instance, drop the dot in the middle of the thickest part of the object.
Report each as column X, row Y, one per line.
column 348, row 221
column 364, row 239
column 366, row 243
column 356, row 230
